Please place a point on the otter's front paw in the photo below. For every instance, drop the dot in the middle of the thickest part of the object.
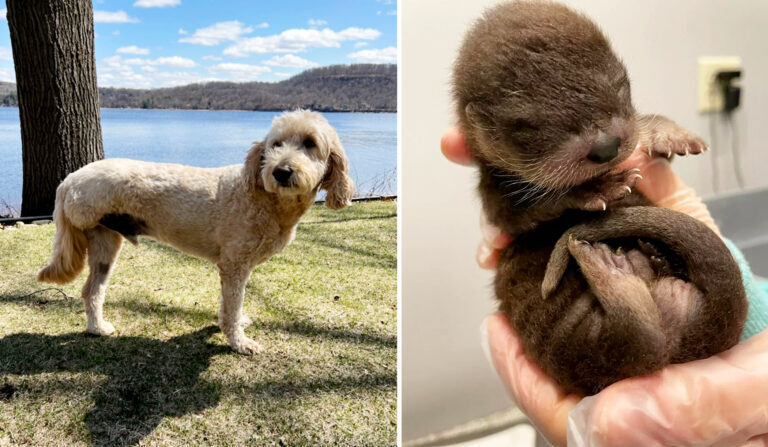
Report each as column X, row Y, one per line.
column 605, row 190
column 666, row 138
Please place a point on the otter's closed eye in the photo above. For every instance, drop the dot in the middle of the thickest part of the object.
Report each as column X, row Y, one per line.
column 309, row 143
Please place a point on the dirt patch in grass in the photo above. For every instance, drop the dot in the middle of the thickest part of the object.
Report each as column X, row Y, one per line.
column 324, row 311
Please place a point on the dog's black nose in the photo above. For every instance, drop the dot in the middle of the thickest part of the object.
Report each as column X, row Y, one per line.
column 605, row 148
column 282, row 174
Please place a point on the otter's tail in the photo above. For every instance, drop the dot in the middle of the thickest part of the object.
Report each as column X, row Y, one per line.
column 69, row 248
column 636, row 344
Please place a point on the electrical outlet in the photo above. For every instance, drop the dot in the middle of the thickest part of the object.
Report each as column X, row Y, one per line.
column 710, row 95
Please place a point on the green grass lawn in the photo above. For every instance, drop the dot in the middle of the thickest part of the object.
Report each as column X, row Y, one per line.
column 324, row 312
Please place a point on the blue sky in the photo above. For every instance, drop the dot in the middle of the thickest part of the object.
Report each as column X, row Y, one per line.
column 159, row 43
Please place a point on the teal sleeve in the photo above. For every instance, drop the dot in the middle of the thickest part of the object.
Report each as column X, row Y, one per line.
column 757, row 293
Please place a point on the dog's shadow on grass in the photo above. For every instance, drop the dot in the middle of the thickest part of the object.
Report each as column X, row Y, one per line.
column 147, row 379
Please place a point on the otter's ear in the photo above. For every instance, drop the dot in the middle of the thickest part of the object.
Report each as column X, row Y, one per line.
column 471, row 111
column 476, row 115
column 336, row 182
column 253, row 167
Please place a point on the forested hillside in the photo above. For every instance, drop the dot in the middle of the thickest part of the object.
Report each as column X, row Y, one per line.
column 342, row 88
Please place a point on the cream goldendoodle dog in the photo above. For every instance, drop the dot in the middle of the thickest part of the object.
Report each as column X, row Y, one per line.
column 235, row 216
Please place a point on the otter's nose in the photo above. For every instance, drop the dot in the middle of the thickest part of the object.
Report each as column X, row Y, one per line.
column 282, row 174
column 605, row 148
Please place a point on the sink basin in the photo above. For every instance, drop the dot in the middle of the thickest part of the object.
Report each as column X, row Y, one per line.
column 743, row 218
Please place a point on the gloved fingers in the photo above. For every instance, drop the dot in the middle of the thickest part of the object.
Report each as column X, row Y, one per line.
column 757, row 441
column 665, row 189
column 493, row 240
column 716, row 402
column 537, row 395
column 662, row 186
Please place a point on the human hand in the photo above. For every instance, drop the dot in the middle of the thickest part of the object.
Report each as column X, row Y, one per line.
column 721, row 401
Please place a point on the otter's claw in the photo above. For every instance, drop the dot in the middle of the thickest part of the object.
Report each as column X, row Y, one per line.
column 606, row 189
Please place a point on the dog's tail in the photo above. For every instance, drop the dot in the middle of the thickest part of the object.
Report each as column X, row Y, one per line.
column 69, row 247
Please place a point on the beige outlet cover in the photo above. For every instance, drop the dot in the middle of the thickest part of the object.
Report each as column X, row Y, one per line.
column 711, row 97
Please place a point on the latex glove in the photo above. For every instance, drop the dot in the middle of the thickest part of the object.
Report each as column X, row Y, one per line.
column 720, row 401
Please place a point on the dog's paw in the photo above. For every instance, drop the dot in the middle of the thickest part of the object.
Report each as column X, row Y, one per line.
column 668, row 139
column 103, row 328
column 246, row 346
column 245, row 321
column 606, row 189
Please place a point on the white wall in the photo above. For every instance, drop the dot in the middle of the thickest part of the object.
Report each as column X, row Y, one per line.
column 446, row 378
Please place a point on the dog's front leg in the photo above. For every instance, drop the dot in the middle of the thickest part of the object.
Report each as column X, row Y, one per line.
column 233, row 279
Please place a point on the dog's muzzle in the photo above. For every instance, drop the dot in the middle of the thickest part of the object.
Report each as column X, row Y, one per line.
column 283, row 175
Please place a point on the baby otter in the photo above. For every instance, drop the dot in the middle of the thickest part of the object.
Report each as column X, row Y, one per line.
column 546, row 107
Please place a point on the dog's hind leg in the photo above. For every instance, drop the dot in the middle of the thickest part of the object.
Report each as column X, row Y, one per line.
column 231, row 319
column 103, row 247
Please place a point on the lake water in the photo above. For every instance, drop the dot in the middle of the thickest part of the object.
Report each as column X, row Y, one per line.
column 213, row 138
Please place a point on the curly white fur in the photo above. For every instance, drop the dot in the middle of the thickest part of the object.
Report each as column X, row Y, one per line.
column 235, row 216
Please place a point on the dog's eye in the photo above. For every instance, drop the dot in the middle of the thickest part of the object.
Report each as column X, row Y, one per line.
column 277, row 144
column 309, row 143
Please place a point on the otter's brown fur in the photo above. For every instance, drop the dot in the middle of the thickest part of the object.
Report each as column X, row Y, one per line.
column 538, row 89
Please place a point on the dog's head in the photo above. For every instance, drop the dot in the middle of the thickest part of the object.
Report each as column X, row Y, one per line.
column 300, row 153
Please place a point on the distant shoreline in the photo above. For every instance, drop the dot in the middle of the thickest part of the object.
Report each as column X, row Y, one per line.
column 233, row 110
column 357, row 88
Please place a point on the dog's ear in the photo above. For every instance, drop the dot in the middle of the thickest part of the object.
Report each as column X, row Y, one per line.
column 336, row 182
column 253, row 167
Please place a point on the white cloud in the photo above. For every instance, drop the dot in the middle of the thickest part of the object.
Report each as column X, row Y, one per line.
column 392, row 12
column 113, row 17
column 217, row 33
column 172, row 61
column 380, row 56
column 173, row 79
column 3, row 13
column 282, row 75
column 361, row 44
column 116, row 32
column 156, row 3
column 262, row 25
column 131, row 61
column 240, row 72
column 317, row 22
column 133, row 49
column 7, row 75
column 116, row 71
column 290, row 60
column 297, row 40
column 183, row 32
column 211, row 58
column 153, row 80
column 6, row 54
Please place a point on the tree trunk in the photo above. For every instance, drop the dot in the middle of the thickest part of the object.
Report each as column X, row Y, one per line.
column 53, row 52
